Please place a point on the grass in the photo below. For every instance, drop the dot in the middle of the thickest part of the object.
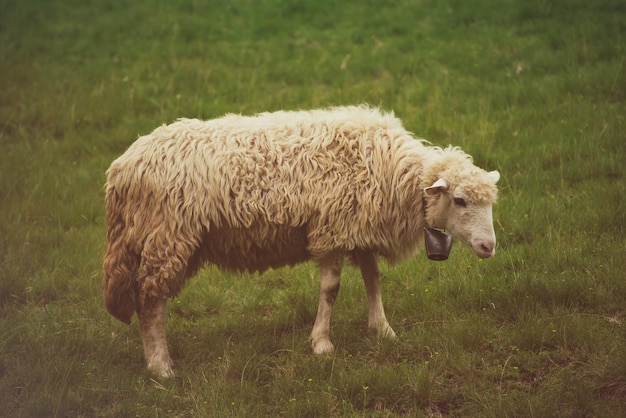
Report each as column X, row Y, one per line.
column 534, row 89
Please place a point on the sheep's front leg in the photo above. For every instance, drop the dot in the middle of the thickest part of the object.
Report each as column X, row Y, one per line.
column 377, row 320
column 152, row 318
column 330, row 272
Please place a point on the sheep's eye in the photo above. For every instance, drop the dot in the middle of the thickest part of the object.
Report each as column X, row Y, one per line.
column 460, row 202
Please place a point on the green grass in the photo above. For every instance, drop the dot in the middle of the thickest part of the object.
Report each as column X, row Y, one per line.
column 535, row 89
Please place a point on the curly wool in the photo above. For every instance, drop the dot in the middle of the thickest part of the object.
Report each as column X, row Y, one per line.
column 254, row 192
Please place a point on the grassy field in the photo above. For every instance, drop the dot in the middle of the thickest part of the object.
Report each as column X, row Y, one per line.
column 535, row 89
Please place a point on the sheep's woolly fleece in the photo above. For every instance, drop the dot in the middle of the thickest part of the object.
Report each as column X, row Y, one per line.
column 253, row 192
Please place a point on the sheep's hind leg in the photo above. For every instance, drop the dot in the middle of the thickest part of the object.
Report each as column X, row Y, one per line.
column 377, row 320
column 152, row 318
column 330, row 272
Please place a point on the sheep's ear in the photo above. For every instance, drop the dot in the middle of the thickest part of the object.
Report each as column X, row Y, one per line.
column 437, row 187
column 494, row 176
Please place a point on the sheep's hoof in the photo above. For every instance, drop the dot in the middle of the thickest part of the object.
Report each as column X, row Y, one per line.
column 388, row 332
column 164, row 373
column 322, row 346
column 383, row 330
column 162, row 368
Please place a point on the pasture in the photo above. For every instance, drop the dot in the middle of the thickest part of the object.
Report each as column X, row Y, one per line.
column 534, row 89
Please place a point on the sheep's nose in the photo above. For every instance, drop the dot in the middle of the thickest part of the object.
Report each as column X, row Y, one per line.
column 485, row 249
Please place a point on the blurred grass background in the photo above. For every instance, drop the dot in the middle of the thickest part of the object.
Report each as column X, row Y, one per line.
column 535, row 89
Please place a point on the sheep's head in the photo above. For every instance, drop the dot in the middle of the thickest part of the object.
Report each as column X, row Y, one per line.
column 462, row 205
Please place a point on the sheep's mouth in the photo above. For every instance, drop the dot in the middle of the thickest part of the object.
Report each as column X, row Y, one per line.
column 483, row 252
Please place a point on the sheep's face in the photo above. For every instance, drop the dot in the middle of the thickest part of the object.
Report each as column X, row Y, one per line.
column 464, row 209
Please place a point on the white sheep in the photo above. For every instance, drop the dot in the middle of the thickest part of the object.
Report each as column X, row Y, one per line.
column 275, row 189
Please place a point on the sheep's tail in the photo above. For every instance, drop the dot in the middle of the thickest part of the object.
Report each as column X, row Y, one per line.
column 120, row 263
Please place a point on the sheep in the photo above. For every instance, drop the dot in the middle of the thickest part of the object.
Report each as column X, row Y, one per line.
column 249, row 193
